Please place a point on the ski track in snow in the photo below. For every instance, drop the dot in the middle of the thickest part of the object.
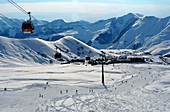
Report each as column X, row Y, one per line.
column 138, row 100
column 125, row 91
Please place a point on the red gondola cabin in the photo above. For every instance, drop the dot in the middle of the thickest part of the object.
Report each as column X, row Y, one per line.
column 27, row 27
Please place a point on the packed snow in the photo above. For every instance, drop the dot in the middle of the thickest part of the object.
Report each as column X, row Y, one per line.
column 51, row 88
column 32, row 84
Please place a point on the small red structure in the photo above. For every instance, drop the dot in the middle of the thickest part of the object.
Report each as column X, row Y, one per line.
column 27, row 26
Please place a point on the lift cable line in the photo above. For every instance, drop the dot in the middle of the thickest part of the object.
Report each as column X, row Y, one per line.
column 27, row 13
column 27, row 26
column 18, row 7
column 11, row 21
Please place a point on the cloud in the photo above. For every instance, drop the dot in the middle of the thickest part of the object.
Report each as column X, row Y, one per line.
column 83, row 10
column 75, row 6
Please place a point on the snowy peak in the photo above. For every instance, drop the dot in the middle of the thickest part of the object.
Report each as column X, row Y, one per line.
column 142, row 32
column 35, row 50
column 131, row 31
column 159, row 44
column 75, row 48
column 115, row 31
column 132, row 15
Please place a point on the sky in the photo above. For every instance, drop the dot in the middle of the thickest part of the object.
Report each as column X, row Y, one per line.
column 88, row 10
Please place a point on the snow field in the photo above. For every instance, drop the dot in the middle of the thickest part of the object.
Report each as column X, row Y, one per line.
column 128, row 87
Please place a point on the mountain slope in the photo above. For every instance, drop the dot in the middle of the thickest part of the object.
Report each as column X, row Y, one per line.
column 26, row 50
column 118, row 27
column 159, row 44
column 141, row 32
column 39, row 51
column 76, row 48
column 131, row 31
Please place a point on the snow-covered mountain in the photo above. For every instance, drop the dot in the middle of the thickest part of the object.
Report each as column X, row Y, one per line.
column 26, row 50
column 143, row 31
column 29, row 83
column 39, row 51
column 131, row 31
column 75, row 48
column 159, row 44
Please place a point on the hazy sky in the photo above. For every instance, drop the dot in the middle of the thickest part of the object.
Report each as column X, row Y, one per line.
column 89, row 10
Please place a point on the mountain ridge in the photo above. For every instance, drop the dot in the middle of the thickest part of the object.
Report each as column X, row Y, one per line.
column 34, row 50
column 130, row 31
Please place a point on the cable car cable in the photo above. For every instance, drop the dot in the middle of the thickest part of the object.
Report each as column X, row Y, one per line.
column 27, row 26
column 25, row 12
column 11, row 25
column 18, row 7
column 10, row 20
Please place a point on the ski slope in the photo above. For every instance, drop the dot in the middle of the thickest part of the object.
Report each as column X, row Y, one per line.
column 30, row 83
column 72, row 87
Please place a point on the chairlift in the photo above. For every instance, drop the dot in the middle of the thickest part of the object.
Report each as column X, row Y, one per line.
column 27, row 26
